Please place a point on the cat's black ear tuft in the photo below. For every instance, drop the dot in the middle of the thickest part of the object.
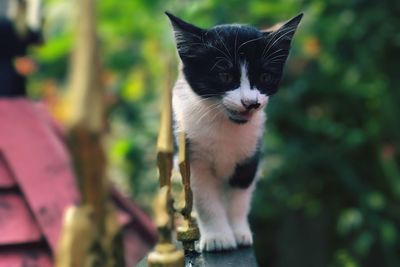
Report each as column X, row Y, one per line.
column 180, row 25
column 187, row 35
column 293, row 22
column 288, row 28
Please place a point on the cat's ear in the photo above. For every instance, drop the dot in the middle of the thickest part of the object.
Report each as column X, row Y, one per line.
column 283, row 33
column 271, row 29
column 186, row 35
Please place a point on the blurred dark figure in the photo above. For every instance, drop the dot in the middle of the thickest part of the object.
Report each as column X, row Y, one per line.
column 20, row 27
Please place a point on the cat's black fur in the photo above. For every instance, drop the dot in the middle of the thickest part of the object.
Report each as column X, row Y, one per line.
column 245, row 172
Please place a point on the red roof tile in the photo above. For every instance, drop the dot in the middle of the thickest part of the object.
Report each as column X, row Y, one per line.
column 17, row 225
column 39, row 162
column 37, row 184
column 6, row 178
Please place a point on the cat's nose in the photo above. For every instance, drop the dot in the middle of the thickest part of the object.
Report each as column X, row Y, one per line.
column 251, row 104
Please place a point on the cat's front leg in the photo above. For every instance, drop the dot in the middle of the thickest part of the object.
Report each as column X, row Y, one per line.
column 240, row 189
column 238, row 210
column 215, row 231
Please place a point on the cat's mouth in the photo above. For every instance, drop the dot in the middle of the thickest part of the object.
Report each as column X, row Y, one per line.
column 239, row 117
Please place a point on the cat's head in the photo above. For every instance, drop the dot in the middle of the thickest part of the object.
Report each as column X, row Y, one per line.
column 238, row 65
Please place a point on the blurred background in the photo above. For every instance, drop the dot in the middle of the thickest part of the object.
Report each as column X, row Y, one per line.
column 329, row 194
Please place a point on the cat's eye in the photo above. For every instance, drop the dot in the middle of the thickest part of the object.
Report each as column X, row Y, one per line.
column 265, row 77
column 225, row 77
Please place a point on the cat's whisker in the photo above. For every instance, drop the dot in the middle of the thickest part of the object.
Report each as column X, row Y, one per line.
column 229, row 61
column 211, row 109
column 270, row 55
column 216, row 63
column 212, row 46
column 289, row 30
column 277, row 61
column 272, row 36
column 200, row 103
column 237, row 32
column 197, row 104
column 202, row 116
column 226, row 48
column 249, row 41
column 215, row 116
column 275, row 58
column 226, row 56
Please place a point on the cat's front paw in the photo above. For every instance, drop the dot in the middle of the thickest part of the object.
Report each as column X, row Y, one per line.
column 217, row 241
column 243, row 236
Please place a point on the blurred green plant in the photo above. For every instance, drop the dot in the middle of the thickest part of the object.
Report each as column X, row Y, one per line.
column 330, row 190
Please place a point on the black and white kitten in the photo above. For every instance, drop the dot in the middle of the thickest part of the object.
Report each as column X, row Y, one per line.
column 228, row 74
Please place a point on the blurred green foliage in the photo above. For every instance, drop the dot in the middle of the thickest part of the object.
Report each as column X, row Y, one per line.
column 330, row 191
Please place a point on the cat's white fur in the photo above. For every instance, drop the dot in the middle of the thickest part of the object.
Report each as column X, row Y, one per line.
column 217, row 145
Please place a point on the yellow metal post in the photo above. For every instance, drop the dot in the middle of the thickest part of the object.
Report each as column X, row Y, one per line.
column 165, row 139
column 188, row 233
column 165, row 253
column 90, row 230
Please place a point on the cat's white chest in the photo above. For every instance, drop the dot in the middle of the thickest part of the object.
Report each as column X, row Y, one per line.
column 226, row 146
column 213, row 138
